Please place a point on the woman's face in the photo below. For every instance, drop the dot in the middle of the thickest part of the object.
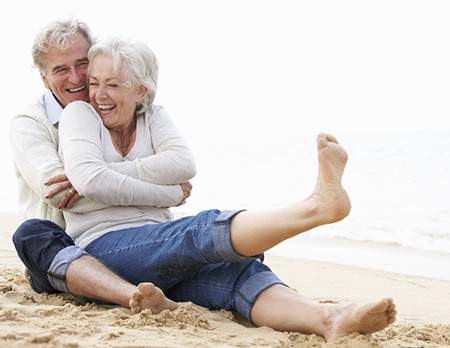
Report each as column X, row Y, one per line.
column 114, row 102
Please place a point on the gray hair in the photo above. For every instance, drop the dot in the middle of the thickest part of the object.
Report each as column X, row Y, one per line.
column 57, row 34
column 136, row 60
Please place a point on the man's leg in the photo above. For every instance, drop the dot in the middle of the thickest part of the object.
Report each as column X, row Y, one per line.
column 88, row 277
column 37, row 242
column 57, row 265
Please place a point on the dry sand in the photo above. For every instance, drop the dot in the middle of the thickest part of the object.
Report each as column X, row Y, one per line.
column 28, row 319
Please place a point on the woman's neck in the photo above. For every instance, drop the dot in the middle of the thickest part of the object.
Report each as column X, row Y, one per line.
column 124, row 138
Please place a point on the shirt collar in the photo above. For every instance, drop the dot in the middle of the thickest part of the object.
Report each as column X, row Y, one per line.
column 51, row 105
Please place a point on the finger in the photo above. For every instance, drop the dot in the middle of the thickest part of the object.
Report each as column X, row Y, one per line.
column 75, row 198
column 58, row 188
column 56, row 179
column 66, row 198
column 62, row 204
column 181, row 203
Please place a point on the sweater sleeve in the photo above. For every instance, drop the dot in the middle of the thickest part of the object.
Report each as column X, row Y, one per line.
column 83, row 149
column 173, row 161
column 34, row 144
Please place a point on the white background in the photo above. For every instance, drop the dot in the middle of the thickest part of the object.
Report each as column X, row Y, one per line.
column 255, row 70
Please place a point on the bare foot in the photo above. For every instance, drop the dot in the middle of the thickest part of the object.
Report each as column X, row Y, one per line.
column 329, row 193
column 346, row 319
column 148, row 296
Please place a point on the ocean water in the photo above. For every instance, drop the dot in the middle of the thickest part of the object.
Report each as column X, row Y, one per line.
column 399, row 184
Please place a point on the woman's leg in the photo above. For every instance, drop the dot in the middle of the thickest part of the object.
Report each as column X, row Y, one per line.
column 167, row 253
column 253, row 232
column 230, row 286
column 284, row 309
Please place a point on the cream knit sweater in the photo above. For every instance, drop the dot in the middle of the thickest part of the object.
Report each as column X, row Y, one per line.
column 141, row 187
column 34, row 143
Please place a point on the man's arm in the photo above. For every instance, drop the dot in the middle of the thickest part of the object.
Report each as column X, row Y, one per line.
column 34, row 143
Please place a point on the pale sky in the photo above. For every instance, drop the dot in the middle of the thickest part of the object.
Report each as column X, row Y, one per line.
column 237, row 69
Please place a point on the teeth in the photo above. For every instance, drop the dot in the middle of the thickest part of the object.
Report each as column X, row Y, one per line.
column 73, row 90
column 105, row 107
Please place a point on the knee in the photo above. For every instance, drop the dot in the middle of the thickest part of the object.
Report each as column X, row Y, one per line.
column 25, row 229
column 32, row 228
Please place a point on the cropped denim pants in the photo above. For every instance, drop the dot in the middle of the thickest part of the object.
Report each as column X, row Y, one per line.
column 190, row 259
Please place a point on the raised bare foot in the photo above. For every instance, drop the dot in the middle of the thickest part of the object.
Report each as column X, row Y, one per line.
column 346, row 319
column 331, row 197
column 148, row 296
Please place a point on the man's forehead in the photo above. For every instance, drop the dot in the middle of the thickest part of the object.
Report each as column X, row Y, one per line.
column 56, row 58
column 75, row 52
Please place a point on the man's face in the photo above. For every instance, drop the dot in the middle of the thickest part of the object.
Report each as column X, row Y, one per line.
column 66, row 71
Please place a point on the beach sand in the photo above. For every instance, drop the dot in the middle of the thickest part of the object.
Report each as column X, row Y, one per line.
column 28, row 319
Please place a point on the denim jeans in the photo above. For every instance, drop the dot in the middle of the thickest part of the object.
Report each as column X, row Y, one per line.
column 37, row 243
column 190, row 259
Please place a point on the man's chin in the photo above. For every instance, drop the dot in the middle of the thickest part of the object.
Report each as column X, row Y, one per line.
column 81, row 97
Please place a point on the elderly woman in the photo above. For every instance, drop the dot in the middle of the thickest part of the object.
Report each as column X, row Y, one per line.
column 213, row 259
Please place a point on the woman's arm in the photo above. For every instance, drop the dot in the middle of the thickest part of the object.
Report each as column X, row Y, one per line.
column 173, row 161
column 84, row 143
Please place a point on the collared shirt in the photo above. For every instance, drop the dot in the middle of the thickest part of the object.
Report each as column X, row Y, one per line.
column 51, row 105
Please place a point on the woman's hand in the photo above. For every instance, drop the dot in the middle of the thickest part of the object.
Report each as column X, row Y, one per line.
column 187, row 188
column 59, row 184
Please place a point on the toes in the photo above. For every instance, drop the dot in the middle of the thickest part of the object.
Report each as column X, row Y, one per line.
column 321, row 141
column 134, row 307
column 146, row 289
column 332, row 138
column 135, row 310
column 135, row 295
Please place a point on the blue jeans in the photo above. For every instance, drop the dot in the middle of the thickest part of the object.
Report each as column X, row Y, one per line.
column 190, row 259
column 37, row 243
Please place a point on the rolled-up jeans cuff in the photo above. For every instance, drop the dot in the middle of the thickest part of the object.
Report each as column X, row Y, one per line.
column 222, row 238
column 254, row 286
column 57, row 272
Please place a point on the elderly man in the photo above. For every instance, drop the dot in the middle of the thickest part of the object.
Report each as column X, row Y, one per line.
column 60, row 53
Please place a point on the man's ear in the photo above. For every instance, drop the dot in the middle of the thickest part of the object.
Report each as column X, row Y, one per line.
column 44, row 79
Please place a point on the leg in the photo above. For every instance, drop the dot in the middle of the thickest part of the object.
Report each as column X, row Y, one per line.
column 230, row 286
column 37, row 242
column 167, row 253
column 255, row 232
column 284, row 309
column 88, row 277
column 40, row 242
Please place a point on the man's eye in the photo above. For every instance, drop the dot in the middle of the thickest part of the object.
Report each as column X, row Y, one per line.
column 61, row 71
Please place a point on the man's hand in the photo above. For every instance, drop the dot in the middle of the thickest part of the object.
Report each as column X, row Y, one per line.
column 59, row 184
column 187, row 188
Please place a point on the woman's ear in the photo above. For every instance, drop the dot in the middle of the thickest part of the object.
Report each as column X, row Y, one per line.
column 141, row 92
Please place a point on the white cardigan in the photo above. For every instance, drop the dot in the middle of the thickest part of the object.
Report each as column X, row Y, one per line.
column 142, row 186
column 34, row 144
